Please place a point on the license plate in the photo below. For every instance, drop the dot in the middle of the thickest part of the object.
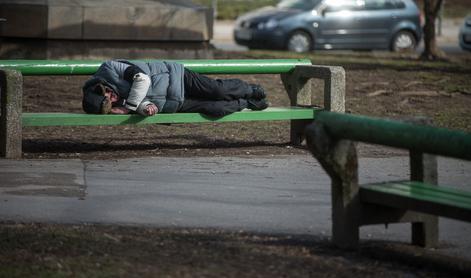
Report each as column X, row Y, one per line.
column 244, row 34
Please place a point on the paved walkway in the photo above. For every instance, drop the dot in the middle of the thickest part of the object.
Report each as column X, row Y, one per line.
column 279, row 194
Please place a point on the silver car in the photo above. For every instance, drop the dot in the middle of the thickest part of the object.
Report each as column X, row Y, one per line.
column 303, row 25
column 465, row 34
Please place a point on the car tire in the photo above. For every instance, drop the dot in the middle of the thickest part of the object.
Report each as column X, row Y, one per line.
column 403, row 41
column 299, row 41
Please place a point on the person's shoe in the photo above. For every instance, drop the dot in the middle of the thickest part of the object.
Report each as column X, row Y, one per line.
column 258, row 92
column 257, row 104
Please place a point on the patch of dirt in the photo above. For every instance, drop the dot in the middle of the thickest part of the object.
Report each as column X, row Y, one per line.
column 40, row 250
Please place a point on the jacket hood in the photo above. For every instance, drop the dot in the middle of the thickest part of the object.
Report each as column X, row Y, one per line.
column 93, row 96
column 92, row 82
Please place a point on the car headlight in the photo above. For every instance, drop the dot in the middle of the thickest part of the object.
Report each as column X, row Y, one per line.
column 270, row 24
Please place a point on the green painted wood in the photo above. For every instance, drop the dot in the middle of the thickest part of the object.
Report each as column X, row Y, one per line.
column 78, row 67
column 419, row 196
column 399, row 134
column 424, row 191
column 75, row 119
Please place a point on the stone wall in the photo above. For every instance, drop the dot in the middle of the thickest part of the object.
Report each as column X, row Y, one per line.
column 138, row 20
column 105, row 29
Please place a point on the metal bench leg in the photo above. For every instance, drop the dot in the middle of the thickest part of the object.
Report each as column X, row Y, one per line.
column 11, row 91
column 339, row 160
column 424, row 169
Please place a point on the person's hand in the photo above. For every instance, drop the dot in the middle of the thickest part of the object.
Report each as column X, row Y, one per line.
column 120, row 110
column 151, row 109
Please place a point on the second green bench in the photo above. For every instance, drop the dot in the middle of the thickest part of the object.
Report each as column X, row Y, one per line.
column 419, row 200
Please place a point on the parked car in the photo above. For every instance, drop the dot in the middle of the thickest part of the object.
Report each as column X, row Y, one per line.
column 465, row 34
column 303, row 25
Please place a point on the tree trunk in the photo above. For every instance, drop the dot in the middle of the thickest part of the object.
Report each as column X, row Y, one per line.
column 431, row 50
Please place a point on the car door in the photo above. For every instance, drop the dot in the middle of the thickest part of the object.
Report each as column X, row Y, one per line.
column 374, row 21
column 336, row 26
column 354, row 24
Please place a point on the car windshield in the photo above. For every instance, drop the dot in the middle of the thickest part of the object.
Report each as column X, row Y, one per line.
column 298, row 4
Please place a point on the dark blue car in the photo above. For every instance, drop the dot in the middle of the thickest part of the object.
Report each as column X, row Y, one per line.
column 303, row 25
column 465, row 34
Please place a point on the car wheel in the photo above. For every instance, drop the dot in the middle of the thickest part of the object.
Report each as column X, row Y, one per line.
column 299, row 41
column 403, row 41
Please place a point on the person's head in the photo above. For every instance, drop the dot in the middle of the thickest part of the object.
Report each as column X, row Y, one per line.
column 99, row 99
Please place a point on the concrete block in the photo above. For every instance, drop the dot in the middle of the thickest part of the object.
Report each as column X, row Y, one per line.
column 106, row 20
column 64, row 22
column 158, row 22
column 23, row 20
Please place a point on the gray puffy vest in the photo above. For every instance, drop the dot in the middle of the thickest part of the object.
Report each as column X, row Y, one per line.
column 167, row 89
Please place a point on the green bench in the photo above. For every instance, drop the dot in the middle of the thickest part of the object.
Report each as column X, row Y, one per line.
column 295, row 75
column 419, row 200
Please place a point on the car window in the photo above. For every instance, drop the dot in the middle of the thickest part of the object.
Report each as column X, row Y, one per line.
column 398, row 4
column 343, row 5
column 298, row 4
column 382, row 4
column 363, row 5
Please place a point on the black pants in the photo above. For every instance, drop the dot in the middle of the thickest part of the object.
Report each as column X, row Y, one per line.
column 214, row 97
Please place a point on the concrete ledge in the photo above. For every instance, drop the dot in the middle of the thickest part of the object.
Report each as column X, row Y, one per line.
column 41, row 49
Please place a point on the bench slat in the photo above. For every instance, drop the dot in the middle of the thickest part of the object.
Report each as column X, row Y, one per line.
column 74, row 119
column 87, row 67
column 419, row 196
column 453, row 196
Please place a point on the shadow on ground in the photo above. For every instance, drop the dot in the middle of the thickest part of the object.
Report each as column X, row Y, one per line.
column 96, row 250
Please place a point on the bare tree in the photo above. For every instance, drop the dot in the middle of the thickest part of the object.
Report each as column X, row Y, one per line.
column 431, row 50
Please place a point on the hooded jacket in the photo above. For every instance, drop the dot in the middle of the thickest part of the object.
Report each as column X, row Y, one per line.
column 166, row 90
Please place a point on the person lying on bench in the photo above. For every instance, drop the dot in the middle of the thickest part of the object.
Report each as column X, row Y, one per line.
column 148, row 88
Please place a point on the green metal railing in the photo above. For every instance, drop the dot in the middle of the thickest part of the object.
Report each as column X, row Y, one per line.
column 404, row 135
column 77, row 67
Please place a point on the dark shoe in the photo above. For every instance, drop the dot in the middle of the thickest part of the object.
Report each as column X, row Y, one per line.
column 258, row 92
column 257, row 104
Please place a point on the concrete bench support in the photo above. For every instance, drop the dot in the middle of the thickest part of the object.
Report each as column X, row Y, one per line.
column 299, row 90
column 423, row 168
column 11, row 91
column 339, row 160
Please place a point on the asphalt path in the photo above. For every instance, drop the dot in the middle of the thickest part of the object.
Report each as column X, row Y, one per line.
column 275, row 195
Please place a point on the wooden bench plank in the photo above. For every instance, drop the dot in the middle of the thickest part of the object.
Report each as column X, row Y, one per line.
column 75, row 119
column 420, row 197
